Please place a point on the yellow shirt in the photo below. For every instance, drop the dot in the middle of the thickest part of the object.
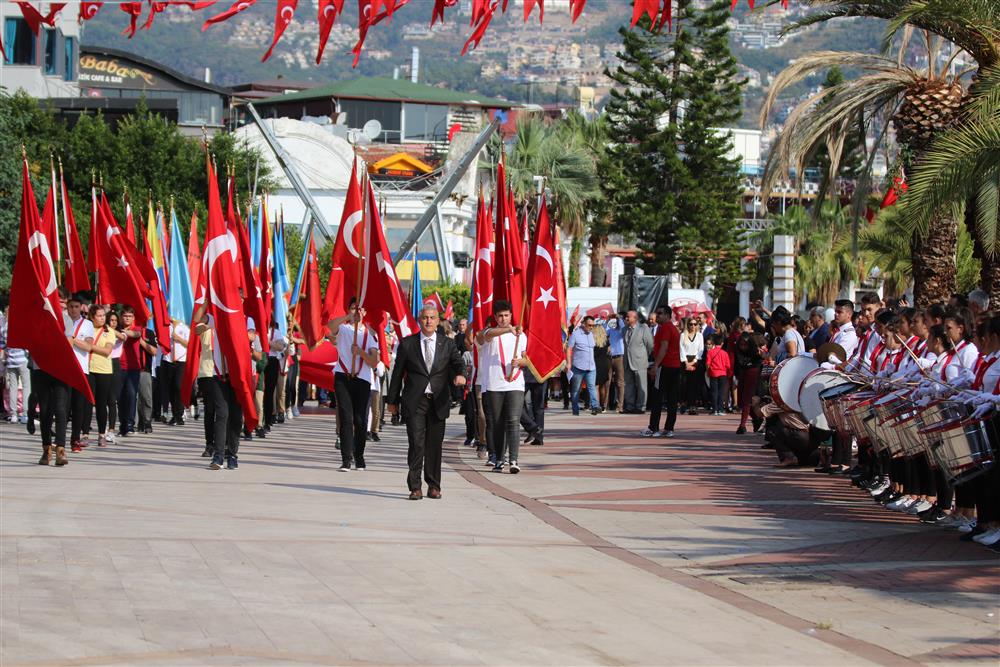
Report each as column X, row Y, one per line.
column 206, row 366
column 99, row 364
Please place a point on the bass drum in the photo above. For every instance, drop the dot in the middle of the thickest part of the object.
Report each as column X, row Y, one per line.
column 786, row 380
column 814, row 384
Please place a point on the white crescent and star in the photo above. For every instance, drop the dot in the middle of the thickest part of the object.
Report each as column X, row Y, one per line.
column 287, row 13
column 214, row 249
column 545, row 296
column 349, row 226
column 38, row 240
column 544, row 254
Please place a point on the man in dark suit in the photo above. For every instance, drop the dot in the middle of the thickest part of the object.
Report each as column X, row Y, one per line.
column 431, row 363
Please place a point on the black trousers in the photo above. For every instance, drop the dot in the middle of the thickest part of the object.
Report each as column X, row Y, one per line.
column 53, row 406
column 80, row 409
column 664, row 390
column 174, row 389
column 425, row 433
column 503, row 414
column 471, row 411
column 841, row 454
column 117, row 377
column 227, row 421
column 101, row 385
column 353, row 395
column 127, row 401
column 272, row 372
column 208, row 415
column 533, row 414
column 292, row 385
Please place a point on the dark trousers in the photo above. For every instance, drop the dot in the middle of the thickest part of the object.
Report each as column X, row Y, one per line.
column 533, row 414
column 116, row 391
column 272, row 372
column 174, row 390
column 101, row 385
column 841, row 453
column 471, row 411
column 353, row 395
column 80, row 409
column 425, row 433
column 718, row 388
column 53, row 406
column 291, row 386
column 126, row 404
column 162, row 383
column 227, row 421
column 664, row 390
column 747, row 379
column 503, row 412
column 208, row 416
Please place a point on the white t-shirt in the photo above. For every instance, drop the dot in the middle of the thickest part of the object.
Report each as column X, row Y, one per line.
column 495, row 362
column 217, row 356
column 180, row 352
column 792, row 334
column 276, row 337
column 366, row 340
column 81, row 329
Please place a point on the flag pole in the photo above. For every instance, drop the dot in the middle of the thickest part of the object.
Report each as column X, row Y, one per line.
column 55, row 215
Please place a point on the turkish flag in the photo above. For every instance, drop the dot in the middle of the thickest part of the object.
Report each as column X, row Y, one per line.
column 346, row 255
column 898, row 187
column 317, row 366
column 435, row 300
column 266, row 267
column 310, row 304
column 129, row 223
column 253, row 297
column 221, row 276
column 283, row 15
column 194, row 252
column 483, row 22
column 371, row 12
column 154, row 9
column 482, row 268
column 560, row 279
column 49, row 226
column 648, row 7
column 76, row 279
column 576, row 8
column 36, row 318
column 508, row 268
column 134, row 10
column 545, row 347
column 118, row 280
column 328, row 11
column 34, row 19
column 449, row 310
column 380, row 290
column 233, row 10
column 88, row 10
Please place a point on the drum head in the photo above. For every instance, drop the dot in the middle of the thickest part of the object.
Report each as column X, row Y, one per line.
column 787, row 379
column 815, row 383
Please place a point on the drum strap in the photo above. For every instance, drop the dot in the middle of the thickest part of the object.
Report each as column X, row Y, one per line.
column 874, row 356
column 948, row 358
column 982, row 366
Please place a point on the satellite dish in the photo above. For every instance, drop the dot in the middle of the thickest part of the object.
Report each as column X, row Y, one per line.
column 357, row 138
column 340, row 118
column 372, row 129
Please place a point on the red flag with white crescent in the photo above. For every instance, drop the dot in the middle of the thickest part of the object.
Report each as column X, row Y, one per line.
column 310, row 308
column 134, row 10
column 347, row 249
column 327, row 14
column 76, row 278
column 544, row 322
column 482, row 268
column 234, row 9
column 283, row 15
column 36, row 318
column 88, row 10
column 118, row 280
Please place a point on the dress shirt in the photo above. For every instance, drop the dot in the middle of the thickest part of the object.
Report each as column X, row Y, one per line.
column 616, row 339
column 582, row 345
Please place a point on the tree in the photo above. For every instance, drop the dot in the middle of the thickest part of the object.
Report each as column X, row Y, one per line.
column 708, row 197
column 641, row 169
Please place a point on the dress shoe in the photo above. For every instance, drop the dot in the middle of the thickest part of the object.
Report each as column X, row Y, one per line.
column 434, row 493
column 416, row 495
column 373, row 436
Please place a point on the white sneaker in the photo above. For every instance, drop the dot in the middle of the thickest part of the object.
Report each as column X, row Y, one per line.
column 880, row 489
column 514, row 468
column 919, row 506
column 649, row 433
column 989, row 538
column 966, row 526
column 667, row 434
column 899, row 503
column 288, row 415
column 109, row 438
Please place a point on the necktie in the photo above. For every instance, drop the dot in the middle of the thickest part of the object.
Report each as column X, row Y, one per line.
column 428, row 353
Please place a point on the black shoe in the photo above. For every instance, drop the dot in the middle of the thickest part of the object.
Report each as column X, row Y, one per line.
column 537, row 442
column 30, row 426
column 260, row 432
column 595, row 411
column 280, row 418
column 148, row 429
column 822, row 469
column 373, row 436
column 232, row 463
column 205, row 454
column 887, row 497
column 741, row 430
column 531, row 436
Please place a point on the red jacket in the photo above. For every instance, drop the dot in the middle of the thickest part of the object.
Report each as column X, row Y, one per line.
column 717, row 363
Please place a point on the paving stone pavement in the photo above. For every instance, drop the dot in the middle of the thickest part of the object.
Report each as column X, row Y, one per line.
column 607, row 549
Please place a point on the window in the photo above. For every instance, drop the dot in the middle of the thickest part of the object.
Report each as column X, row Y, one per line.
column 425, row 122
column 50, row 51
column 360, row 112
column 19, row 42
column 69, row 73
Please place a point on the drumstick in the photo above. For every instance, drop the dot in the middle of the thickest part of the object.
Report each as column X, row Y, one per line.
column 923, row 371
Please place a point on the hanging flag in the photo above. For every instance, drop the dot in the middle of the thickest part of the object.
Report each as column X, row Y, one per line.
column 544, row 322
column 283, row 15
column 529, row 6
column 449, row 310
column 482, row 24
column 181, row 292
column 482, row 268
column 648, row 8
column 234, row 9
column 328, row 10
column 34, row 18
column 311, row 305
column 117, row 277
column 381, row 293
column 154, row 9
column 194, row 251
column 36, row 317
column 576, row 8
column 134, row 10
column 346, row 256
column 76, row 279
column 253, row 302
column 370, row 13
column 416, row 289
column 221, row 271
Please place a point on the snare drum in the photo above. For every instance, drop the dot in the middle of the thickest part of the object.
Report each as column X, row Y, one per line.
column 833, row 400
column 964, row 447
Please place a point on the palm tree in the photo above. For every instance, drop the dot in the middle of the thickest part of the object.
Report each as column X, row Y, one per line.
column 823, row 262
column 918, row 103
column 558, row 153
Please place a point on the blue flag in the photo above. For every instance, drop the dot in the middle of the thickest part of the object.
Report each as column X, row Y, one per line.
column 180, row 305
column 279, row 283
column 416, row 295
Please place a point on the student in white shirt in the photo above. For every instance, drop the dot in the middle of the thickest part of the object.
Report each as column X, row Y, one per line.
column 81, row 336
column 272, row 374
column 501, row 363
column 357, row 352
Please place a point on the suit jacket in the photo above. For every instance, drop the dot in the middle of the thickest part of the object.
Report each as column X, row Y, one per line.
column 410, row 366
column 638, row 346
